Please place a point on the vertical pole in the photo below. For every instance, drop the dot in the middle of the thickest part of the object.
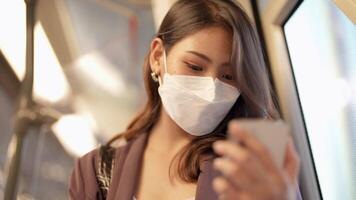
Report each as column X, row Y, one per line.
column 25, row 104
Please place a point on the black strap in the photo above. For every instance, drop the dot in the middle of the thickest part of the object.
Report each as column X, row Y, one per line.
column 105, row 167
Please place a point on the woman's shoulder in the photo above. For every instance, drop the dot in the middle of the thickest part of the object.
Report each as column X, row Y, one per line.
column 102, row 152
column 93, row 170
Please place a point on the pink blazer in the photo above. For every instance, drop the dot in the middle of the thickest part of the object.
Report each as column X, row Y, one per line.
column 125, row 173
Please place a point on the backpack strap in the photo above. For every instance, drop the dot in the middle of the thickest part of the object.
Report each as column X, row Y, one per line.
column 105, row 168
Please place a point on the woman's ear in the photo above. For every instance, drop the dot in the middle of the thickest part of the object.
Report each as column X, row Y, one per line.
column 156, row 56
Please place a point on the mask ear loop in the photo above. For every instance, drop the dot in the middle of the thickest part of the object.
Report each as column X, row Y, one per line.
column 165, row 67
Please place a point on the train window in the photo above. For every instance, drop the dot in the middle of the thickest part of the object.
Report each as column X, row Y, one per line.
column 322, row 48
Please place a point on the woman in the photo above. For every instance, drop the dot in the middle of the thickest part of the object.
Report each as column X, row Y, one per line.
column 204, row 68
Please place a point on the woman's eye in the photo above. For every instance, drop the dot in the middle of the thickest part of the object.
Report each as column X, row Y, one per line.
column 195, row 67
column 228, row 77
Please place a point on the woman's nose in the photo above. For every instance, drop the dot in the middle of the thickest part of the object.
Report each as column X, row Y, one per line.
column 213, row 74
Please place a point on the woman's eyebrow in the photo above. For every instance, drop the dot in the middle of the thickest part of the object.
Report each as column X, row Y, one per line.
column 206, row 58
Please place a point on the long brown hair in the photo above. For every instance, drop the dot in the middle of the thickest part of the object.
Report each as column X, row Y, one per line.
column 183, row 19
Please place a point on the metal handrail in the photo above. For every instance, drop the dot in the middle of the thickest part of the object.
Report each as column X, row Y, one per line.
column 29, row 114
column 24, row 115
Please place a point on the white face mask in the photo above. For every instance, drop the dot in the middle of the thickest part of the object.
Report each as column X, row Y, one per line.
column 197, row 104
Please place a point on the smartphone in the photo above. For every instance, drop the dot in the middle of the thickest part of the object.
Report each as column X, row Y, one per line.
column 274, row 134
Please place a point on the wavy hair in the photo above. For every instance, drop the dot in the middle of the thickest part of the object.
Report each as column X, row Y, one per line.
column 185, row 18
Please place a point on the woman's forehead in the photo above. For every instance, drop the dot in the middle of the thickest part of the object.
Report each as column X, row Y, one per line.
column 213, row 43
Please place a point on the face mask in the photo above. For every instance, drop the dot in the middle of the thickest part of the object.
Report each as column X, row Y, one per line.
column 197, row 104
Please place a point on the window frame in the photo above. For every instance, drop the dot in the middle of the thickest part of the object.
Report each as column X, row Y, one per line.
column 272, row 19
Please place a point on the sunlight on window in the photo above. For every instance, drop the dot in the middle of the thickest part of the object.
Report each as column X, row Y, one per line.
column 99, row 71
column 76, row 134
column 322, row 47
column 13, row 38
column 50, row 82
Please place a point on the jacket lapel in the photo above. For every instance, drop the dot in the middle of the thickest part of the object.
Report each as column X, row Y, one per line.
column 205, row 189
column 129, row 162
column 131, row 168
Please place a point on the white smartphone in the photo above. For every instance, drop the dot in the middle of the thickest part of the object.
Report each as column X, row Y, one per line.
column 271, row 133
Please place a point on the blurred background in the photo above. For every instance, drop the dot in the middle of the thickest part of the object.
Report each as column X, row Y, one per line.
column 88, row 57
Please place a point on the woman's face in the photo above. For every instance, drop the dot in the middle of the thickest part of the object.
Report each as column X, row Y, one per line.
column 204, row 53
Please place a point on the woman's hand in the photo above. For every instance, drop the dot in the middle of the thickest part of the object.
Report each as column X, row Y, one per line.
column 249, row 173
